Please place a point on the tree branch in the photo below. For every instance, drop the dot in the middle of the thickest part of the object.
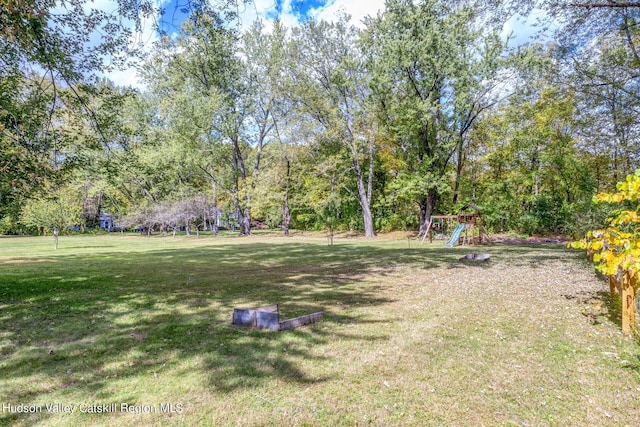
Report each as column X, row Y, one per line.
column 630, row 39
column 609, row 4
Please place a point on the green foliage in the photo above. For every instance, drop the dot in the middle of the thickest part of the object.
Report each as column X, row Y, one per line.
column 331, row 81
column 419, row 113
column 54, row 213
column 435, row 69
column 305, row 220
column 616, row 248
column 543, row 214
column 26, row 140
column 530, row 174
column 8, row 225
column 396, row 221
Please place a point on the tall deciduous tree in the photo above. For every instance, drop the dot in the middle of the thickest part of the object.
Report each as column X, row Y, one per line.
column 606, row 80
column 219, row 97
column 264, row 64
column 28, row 142
column 333, row 91
column 56, row 49
column 599, row 44
column 435, row 69
column 195, row 79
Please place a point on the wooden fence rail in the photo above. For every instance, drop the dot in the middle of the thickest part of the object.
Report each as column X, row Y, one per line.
column 624, row 286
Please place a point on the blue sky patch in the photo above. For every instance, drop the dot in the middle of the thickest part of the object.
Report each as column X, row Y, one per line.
column 301, row 8
column 175, row 12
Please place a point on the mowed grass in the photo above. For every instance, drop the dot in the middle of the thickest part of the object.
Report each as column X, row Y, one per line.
column 411, row 336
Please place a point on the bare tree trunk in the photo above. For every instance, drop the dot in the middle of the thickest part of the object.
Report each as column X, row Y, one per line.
column 214, row 188
column 244, row 218
column 366, row 211
column 99, row 210
column 426, row 208
column 364, row 200
column 239, row 217
column 460, row 163
column 236, row 203
column 369, row 216
column 206, row 223
column 286, row 214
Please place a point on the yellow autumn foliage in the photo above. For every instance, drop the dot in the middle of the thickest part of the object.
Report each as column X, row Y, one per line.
column 615, row 249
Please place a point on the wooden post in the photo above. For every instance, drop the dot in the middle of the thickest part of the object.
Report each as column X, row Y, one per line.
column 614, row 286
column 287, row 325
column 628, row 303
column 427, row 231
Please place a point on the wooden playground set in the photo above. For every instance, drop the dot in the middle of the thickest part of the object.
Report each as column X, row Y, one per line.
column 465, row 228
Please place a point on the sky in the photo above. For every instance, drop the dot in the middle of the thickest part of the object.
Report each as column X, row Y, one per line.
column 290, row 12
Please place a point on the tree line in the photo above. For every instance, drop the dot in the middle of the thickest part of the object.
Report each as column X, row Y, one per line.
column 422, row 109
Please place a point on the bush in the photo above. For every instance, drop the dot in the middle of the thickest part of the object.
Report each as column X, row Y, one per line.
column 393, row 222
column 8, row 225
column 304, row 221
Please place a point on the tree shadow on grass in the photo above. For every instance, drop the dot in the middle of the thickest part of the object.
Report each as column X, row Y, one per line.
column 535, row 256
column 81, row 323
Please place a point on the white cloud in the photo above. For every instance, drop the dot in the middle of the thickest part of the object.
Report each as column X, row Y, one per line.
column 287, row 17
column 125, row 78
column 524, row 29
column 266, row 10
column 521, row 28
column 357, row 9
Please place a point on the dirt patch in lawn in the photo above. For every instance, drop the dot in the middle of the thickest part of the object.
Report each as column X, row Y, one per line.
column 530, row 240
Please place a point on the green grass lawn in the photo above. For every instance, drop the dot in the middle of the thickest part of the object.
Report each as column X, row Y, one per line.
column 409, row 337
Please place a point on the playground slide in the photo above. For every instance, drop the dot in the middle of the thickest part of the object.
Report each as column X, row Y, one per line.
column 453, row 241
